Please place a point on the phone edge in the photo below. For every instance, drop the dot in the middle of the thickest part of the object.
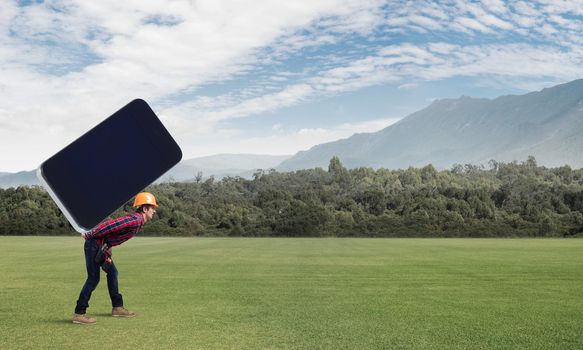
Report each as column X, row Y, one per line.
column 57, row 200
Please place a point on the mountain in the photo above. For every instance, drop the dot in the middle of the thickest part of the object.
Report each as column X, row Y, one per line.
column 547, row 124
column 18, row 179
column 219, row 166
column 222, row 165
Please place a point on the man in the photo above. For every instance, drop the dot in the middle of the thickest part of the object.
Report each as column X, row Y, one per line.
column 98, row 245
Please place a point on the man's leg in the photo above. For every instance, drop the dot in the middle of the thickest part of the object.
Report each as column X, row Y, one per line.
column 116, row 298
column 112, row 284
column 92, row 281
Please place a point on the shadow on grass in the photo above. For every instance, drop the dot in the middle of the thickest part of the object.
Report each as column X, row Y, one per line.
column 70, row 321
column 60, row 321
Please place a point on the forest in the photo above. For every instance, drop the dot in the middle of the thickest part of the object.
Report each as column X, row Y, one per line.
column 515, row 199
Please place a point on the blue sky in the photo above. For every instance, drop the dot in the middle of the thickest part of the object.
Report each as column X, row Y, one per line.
column 265, row 77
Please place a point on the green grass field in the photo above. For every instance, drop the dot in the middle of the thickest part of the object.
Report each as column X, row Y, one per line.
column 236, row 293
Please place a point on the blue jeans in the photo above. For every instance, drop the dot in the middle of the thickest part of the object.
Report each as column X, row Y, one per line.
column 93, row 272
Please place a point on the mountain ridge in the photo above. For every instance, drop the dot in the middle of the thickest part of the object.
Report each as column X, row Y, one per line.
column 218, row 166
column 547, row 124
column 467, row 130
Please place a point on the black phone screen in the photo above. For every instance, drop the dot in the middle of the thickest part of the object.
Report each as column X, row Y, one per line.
column 100, row 171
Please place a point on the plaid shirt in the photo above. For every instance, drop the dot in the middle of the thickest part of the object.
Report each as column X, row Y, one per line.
column 116, row 231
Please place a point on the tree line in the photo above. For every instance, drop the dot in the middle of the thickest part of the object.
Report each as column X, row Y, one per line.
column 501, row 200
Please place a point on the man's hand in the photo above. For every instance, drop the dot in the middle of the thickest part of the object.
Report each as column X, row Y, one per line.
column 85, row 236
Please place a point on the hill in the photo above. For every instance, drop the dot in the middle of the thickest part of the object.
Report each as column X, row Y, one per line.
column 219, row 166
column 20, row 178
column 547, row 124
column 222, row 165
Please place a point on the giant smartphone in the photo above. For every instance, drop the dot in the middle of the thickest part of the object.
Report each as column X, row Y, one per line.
column 103, row 169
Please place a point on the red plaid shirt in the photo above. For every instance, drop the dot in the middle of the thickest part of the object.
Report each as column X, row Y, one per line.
column 116, row 231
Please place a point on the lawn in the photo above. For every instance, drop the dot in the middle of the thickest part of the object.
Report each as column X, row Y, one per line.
column 237, row 293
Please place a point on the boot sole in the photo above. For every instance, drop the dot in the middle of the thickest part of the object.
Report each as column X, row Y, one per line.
column 84, row 323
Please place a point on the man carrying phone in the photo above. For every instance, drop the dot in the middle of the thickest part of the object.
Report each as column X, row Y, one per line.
column 98, row 245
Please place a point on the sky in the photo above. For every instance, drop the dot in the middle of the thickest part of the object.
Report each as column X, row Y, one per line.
column 265, row 77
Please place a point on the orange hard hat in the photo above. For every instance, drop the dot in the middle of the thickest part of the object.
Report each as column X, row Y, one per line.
column 145, row 198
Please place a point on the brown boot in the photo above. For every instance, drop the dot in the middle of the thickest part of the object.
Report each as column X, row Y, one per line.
column 120, row 311
column 83, row 319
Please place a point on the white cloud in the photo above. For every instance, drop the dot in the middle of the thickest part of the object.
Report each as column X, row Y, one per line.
column 224, row 107
column 207, row 41
column 495, row 6
column 472, row 24
column 494, row 21
column 63, row 71
column 408, row 86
